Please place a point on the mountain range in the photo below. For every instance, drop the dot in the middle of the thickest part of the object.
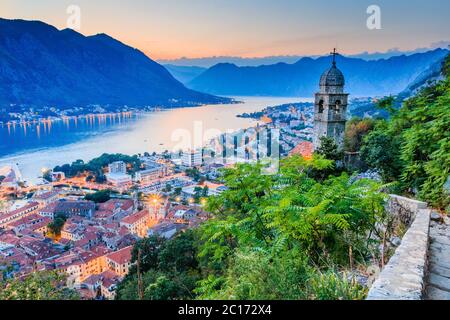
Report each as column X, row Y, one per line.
column 208, row 62
column 363, row 78
column 43, row 66
column 428, row 77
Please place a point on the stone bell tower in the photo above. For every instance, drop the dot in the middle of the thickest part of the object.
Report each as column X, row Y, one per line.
column 330, row 110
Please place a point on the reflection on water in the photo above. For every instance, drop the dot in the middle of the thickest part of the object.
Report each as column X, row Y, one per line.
column 67, row 141
column 16, row 136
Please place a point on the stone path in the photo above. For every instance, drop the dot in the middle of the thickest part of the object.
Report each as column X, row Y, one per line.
column 438, row 282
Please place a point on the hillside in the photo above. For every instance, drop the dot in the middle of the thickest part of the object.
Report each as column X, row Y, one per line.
column 363, row 78
column 184, row 74
column 41, row 65
column 425, row 79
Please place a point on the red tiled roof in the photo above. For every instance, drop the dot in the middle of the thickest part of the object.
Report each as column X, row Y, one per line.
column 122, row 256
column 123, row 231
column 46, row 195
column 45, row 222
column 132, row 219
column 113, row 204
column 24, row 208
column 33, row 218
column 103, row 214
column 109, row 278
column 9, row 238
column 304, row 149
column 92, row 280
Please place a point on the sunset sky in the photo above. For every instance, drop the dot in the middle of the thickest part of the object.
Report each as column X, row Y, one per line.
column 167, row 29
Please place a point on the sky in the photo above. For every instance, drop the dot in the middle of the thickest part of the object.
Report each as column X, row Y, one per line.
column 170, row 29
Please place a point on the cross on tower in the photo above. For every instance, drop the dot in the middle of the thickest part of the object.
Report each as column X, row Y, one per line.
column 334, row 53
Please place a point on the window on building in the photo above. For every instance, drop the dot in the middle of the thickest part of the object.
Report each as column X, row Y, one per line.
column 338, row 106
column 321, row 106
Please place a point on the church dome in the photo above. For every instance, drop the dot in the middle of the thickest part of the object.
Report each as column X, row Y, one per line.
column 333, row 77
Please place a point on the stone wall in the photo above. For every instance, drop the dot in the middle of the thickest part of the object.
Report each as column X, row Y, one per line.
column 403, row 278
column 404, row 209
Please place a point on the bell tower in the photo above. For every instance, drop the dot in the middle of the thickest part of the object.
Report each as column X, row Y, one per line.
column 330, row 109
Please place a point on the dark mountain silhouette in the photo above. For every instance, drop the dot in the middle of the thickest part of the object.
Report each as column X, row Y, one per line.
column 363, row 78
column 41, row 65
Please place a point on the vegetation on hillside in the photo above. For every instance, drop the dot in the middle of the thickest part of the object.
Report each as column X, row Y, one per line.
column 167, row 270
column 48, row 285
column 288, row 236
column 303, row 233
column 413, row 146
column 96, row 167
column 101, row 196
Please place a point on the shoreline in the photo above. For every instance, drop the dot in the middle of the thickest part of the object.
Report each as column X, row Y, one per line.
column 148, row 133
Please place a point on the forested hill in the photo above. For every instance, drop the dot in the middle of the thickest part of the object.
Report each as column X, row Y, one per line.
column 41, row 65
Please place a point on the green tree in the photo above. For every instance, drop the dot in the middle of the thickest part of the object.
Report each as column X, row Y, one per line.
column 355, row 131
column 169, row 269
column 329, row 149
column 37, row 286
column 194, row 173
column 416, row 140
column 150, row 249
column 381, row 151
column 387, row 103
column 178, row 191
column 99, row 197
column 47, row 175
column 198, row 192
column 205, row 191
column 168, row 187
column 286, row 228
column 56, row 226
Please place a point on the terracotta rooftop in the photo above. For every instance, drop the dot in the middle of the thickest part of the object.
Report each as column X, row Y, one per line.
column 33, row 218
column 114, row 204
column 46, row 195
column 24, row 208
column 304, row 149
column 122, row 256
column 9, row 238
column 103, row 214
column 132, row 219
column 109, row 278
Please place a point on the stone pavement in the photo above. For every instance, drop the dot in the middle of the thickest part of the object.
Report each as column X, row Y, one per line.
column 438, row 281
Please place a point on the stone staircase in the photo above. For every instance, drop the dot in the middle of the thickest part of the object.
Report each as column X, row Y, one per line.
column 438, row 278
column 420, row 267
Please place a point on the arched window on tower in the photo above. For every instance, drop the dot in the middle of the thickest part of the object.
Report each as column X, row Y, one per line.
column 337, row 108
column 321, row 106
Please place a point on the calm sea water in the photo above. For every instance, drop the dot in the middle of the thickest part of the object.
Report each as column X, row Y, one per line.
column 36, row 147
